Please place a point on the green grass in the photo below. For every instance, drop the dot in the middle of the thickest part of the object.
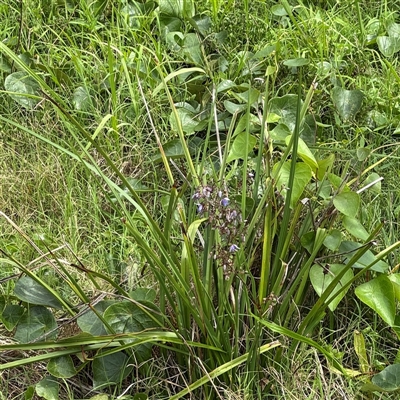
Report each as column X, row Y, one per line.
column 114, row 87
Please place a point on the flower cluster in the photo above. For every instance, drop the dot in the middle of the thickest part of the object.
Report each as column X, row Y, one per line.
column 225, row 217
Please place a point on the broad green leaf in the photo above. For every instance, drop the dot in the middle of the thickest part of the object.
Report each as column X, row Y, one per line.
column 27, row 289
column 169, row 24
column 127, row 317
column 303, row 176
column 310, row 129
column 192, row 49
column 251, row 95
column 337, row 182
column 23, row 89
column 132, row 12
column 388, row 379
column 273, row 118
column 100, row 397
column 238, row 149
column 81, row 99
column 350, row 248
column 177, row 8
column 174, row 149
column 61, row 367
column 143, row 294
column 333, row 240
column 322, row 277
column 323, row 67
column 89, row 322
column 264, row 53
column 393, row 30
column 362, row 153
column 280, row 133
column 379, row 295
column 388, row 45
column 29, row 393
column 225, row 85
column 325, row 165
column 376, row 187
column 135, row 184
column 110, row 369
column 369, row 387
column 395, row 279
column 285, row 107
column 11, row 315
column 36, row 322
column 254, row 124
column 347, row 102
column 305, row 153
column 296, row 62
column 278, row 10
column 233, row 107
column 361, row 351
column 308, row 240
column 48, row 388
column 186, row 119
column 355, row 228
column 202, row 23
column 5, row 66
column 347, row 203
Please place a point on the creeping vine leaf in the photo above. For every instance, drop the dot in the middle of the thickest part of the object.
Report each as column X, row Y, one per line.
column 23, row 89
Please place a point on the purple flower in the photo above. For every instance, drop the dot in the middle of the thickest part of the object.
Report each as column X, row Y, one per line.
column 233, row 248
column 225, row 201
column 199, row 208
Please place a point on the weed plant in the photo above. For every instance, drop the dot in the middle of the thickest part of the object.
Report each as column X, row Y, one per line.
column 193, row 197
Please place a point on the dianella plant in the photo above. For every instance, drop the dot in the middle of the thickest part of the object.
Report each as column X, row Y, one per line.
column 255, row 240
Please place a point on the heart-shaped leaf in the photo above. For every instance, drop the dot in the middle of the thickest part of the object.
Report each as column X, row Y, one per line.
column 89, row 322
column 126, row 317
column 27, row 289
column 61, row 367
column 82, row 99
column 36, row 322
column 355, row 227
column 11, row 315
column 347, row 102
column 349, row 249
column 322, row 277
column 23, row 89
column 395, row 279
column 324, row 165
column 192, row 50
column 380, row 296
column 347, row 203
column 303, row 175
column 186, row 119
column 388, row 45
column 374, row 179
column 296, row 62
column 388, row 379
column 47, row 388
column 305, row 153
column 177, row 8
column 333, row 240
column 238, row 149
column 393, row 30
column 110, row 369
column 285, row 107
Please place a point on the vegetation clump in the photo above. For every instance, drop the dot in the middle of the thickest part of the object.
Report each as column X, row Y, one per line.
column 199, row 200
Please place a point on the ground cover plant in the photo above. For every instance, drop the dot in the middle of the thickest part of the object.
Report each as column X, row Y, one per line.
column 199, row 200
